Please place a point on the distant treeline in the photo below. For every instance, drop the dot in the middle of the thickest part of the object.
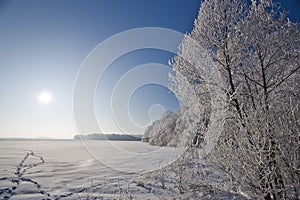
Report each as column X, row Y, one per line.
column 33, row 139
column 116, row 137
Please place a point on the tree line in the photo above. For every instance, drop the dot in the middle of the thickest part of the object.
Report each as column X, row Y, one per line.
column 244, row 57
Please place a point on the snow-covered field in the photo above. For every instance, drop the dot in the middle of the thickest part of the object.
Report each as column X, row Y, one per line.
column 70, row 168
column 89, row 170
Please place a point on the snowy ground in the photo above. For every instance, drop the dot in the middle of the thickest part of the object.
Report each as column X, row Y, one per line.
column 93, row 170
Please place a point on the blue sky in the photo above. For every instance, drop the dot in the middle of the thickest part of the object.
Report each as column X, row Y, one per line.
column 43, row 44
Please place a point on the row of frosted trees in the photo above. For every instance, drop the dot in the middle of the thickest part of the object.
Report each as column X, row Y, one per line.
column 246, row 56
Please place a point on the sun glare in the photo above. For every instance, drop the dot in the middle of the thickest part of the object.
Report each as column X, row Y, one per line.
column 44, row 97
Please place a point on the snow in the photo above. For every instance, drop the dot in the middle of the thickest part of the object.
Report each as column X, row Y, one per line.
column 125, row 170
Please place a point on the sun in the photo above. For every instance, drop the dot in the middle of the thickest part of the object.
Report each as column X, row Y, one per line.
column 44, row 97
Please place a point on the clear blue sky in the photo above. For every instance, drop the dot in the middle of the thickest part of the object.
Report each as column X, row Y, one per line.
column 43, row 43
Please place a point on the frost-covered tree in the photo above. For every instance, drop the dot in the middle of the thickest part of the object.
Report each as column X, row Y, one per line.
column 161, row 132
column 217, row 30
column 271, row 46
column 255, row 50
column 271, row 59
column 191, row 83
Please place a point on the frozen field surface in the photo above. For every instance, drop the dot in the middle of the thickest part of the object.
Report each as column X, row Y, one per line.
column 71, row 169
column 90, row 170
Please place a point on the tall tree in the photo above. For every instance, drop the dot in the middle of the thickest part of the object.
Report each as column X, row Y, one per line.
column 255, row 48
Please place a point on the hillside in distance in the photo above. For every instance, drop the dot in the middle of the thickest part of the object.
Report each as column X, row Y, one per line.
column 114, row 137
